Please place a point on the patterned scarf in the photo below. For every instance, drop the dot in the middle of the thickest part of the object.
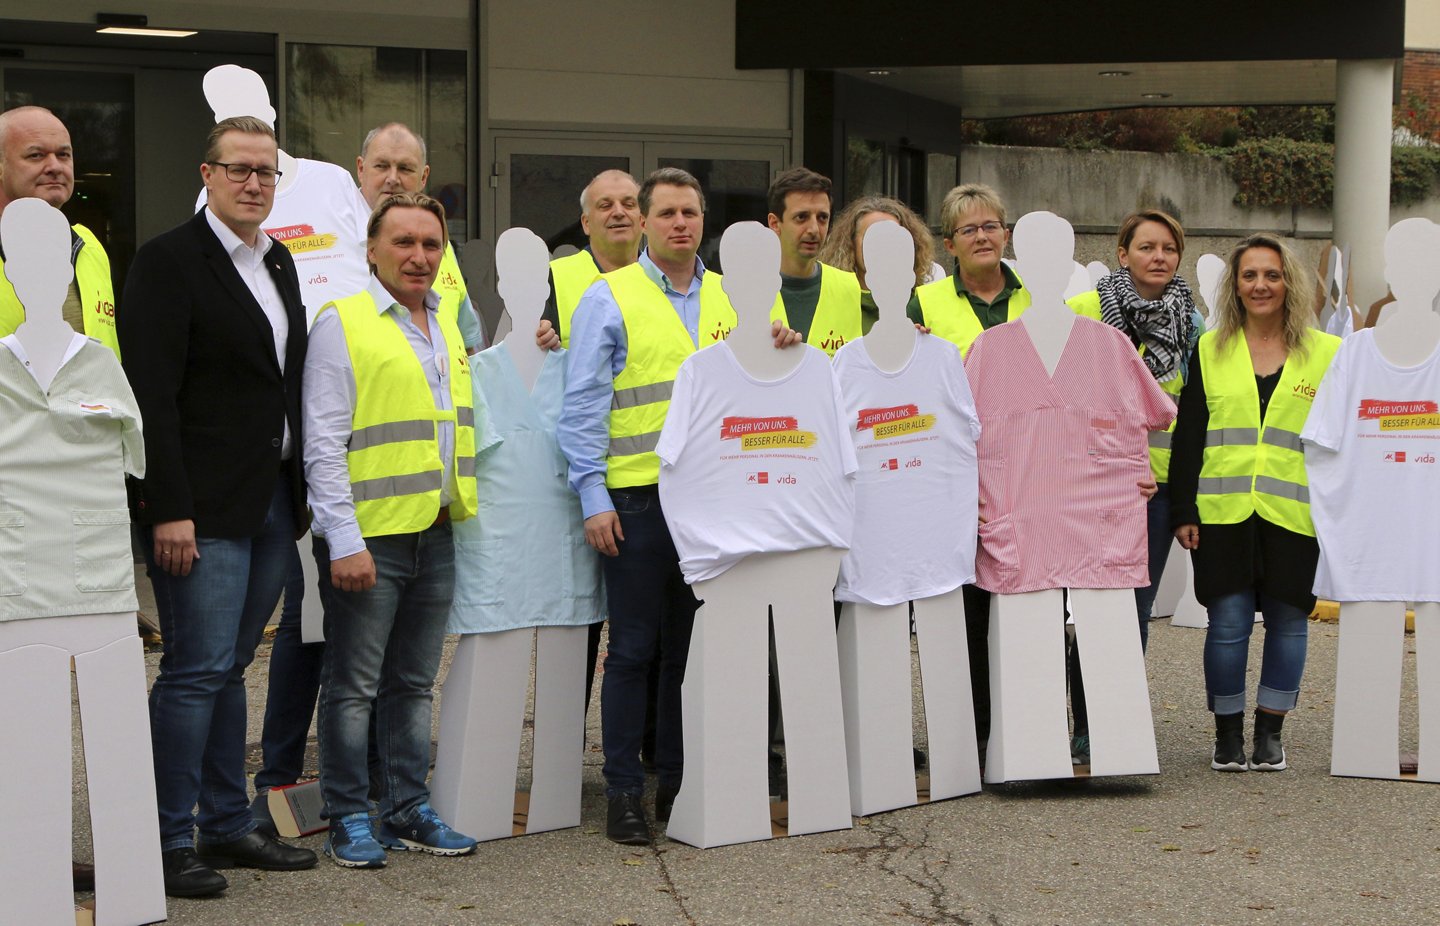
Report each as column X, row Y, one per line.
column 1167, row 327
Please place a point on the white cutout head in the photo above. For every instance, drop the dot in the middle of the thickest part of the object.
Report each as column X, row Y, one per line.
column 1412, row 260
column 522, row 264
column 1044, row 254
column 235, row 91
column 1208, row 271
column 750, row 254
column 890, row 264
column 36, row 239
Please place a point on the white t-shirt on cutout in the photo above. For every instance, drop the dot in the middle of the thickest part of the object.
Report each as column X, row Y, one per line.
column 1372, row 456
column 754, row 467
column 917, row 490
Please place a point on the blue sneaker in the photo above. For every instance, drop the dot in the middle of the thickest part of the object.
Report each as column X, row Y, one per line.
column 425, row 832
column 352, row 844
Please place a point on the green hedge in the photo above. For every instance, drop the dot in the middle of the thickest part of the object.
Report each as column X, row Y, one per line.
column 1284, row 172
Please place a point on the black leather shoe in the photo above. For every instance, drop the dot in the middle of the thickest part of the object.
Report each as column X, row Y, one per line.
column 82, row 875
column 625, row 822
column 255, row 850
column 260, row 811
column 664, row 801
column 187, row 876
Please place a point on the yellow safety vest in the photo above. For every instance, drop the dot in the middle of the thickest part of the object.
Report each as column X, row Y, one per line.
column 949, row 315
column 573, row 275
column 1252, row 466
column 1088, row 304
column 450, row 284
column 656, row 344
column 394, row 448
column 837, row 314
column 92, row 280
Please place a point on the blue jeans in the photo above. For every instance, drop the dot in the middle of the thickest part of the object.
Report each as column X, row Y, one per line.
column 1157, row 521
column 383, row 646
column 1227, row 644
column 651, row 608
column 293, row 686
column 211, row 621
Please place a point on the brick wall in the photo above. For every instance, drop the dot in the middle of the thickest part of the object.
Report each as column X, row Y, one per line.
column 1420, row 81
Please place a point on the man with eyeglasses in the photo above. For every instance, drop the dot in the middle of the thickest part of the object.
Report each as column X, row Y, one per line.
column 212, row 330
column 36, row 159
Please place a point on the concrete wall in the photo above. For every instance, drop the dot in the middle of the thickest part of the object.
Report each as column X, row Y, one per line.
column 1094, row 190
column 582, row 63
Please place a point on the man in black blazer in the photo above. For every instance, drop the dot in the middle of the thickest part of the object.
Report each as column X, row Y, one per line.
column 212, row 330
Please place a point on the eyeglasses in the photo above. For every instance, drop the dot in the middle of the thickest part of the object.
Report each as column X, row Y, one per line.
column 968, row 231
column 239, row 173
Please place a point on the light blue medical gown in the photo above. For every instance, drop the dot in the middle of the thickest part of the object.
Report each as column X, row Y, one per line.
column 522, row 561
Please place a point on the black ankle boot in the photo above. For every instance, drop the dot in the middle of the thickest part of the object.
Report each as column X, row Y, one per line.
column 1269, row 755
column 1229, row 743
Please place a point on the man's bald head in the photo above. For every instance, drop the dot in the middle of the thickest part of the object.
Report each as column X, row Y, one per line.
column 392, row 160
column 35, row 157
column 610, row 218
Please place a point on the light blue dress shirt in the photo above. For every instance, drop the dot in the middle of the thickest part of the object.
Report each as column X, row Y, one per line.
column 328, row 412
column 596, row 356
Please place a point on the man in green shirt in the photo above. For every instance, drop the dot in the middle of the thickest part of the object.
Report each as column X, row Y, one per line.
column 817, row 300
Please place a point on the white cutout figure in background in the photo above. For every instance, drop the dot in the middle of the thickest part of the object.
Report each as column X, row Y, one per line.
column 1029, row 737
column 1079, row 280
column 756, row 484
column 1364, row 506
column 906, row 398
column 1209, row 268
column 524, row 576
column 69, row 431
column 1098, row 271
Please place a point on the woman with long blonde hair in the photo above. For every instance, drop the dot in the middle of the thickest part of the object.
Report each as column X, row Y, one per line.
column 1237, row 483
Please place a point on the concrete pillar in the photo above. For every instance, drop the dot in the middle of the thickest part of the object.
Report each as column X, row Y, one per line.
column 1363, row 94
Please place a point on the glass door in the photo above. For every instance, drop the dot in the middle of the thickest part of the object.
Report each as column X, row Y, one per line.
column 735, row 179
column 539, row 181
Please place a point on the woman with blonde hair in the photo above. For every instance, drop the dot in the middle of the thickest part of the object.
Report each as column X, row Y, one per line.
column 1238, row 483
column 843, row 248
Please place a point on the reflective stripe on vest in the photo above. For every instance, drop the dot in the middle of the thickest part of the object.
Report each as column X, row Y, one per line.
column 393, row 453
column 450, row 284
column 92, row 282
column 656, row 344
column 1252, row 466
column 573, row 275
column 837, row 313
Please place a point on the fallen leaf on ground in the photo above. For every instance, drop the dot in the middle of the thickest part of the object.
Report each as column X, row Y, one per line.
column 1260, row 906
column 1169, row 848
column 634, row 861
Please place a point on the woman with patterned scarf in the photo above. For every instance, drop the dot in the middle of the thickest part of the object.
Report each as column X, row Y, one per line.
column 1150, row 304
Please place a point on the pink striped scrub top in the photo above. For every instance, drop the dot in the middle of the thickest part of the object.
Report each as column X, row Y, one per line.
column 1060, row 457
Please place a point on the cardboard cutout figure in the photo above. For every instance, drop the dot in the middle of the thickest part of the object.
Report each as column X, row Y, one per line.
column 1079, row 281
column 1209, row 268
column 723, row 797
column 524, row 575
column 874, row 635
column 69, row 431
column 1029, row 736
column 1098, row 271
column 1372, row 633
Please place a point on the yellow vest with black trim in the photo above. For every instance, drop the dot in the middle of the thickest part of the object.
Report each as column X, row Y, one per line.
column 656, row 343
column 450, row 284
column 1253, row 466
column 572, row 274
column 1088, row 304
column 394, row 447
column 837, row 313
column 92, row 281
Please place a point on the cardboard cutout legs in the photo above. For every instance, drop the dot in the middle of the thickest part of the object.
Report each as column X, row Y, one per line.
column 1029, row 737
column 1174, row 582
column 482, row 715
column 874, row 649
column 1122, row 732
column 1366, row 743
column 949, row 707
column 723, row 798
column 35, row 840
